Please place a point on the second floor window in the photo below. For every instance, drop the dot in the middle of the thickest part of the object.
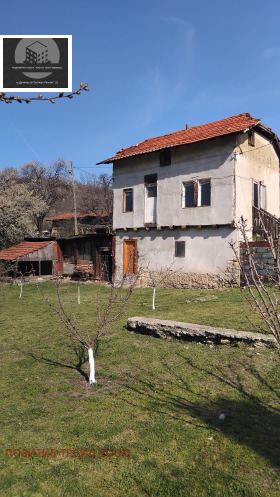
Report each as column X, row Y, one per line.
column 128, row 200
column 196, row 193
column 259, row 195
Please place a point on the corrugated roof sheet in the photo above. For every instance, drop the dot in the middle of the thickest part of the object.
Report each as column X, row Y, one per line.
column 16, row 251
column 193, row 134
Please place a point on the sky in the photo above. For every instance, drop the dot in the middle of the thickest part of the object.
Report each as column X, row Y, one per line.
column 152, row 67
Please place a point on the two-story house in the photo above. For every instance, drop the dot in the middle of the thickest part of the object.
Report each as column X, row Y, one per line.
column 178, row 197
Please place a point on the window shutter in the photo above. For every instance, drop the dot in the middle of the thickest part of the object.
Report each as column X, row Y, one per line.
column 195, row 194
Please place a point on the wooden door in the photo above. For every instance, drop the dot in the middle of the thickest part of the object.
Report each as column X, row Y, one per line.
column 130, row 256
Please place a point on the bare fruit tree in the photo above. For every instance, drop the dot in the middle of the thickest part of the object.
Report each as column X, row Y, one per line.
column 107, row 314
column 260, row 282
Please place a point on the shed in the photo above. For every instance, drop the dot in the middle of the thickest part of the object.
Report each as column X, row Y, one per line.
column 34, row 257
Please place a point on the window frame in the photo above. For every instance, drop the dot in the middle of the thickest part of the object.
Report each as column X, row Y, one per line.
column 197, row 193
column 125, row 191
column 262, row 195
column 183, row 243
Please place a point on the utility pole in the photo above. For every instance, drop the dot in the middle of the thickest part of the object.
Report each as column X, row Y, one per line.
column 74, row 200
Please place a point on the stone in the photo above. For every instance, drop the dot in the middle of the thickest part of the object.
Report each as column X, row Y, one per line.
column 195, row 332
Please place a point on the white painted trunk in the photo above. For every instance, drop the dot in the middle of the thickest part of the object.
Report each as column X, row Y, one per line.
column 91, row 367
column 20, row 293
column 79, row 300
column 154, row 296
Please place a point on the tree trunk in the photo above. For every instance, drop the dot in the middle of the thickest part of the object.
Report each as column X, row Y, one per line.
column 154, row 295
column 91, row 367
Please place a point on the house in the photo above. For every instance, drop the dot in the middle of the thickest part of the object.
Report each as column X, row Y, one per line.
column 64, row 224
column 178, row 198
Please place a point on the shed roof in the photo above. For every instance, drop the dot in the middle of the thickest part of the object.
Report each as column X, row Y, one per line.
column 16, row 251
column 193, row 134
column 70, row 215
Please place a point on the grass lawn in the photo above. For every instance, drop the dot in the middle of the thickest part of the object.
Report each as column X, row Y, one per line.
column 159, row 399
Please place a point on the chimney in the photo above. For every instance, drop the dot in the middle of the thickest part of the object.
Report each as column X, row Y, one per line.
column 187, row 126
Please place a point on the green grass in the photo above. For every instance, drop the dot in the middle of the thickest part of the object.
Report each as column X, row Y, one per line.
column 160, row 399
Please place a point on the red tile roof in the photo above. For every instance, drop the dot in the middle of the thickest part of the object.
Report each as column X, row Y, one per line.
column 193, row 134
column 16, row 251
column 70, row 215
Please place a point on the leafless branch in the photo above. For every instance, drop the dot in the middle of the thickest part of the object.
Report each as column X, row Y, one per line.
column 10, row 99
column 263, row 297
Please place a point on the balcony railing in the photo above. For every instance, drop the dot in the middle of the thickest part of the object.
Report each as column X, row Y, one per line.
column 264, row 222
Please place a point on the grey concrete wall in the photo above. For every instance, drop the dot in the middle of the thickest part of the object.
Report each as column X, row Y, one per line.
column 210, row 159
column 208, row 256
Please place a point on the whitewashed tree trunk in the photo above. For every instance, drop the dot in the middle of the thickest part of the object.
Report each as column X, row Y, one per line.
column 91, row 367
column 154, row 295
column 79, row 300
column 20, row 293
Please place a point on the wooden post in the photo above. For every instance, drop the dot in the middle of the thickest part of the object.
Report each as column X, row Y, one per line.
column 74, row 200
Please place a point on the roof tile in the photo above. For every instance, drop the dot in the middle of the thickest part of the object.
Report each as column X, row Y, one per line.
column 192, row 134
column 16, row 251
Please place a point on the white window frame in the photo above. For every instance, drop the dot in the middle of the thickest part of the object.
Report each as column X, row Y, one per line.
column 262, row 197
column 199, row 182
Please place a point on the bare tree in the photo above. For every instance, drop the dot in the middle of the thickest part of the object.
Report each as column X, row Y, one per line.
column 260, row 283
column 106, row 316
column 159, row 277
column 49, row 183
column 10, row 99
column 95, row 194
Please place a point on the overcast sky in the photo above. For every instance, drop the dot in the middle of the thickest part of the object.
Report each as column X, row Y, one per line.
column 153, row 66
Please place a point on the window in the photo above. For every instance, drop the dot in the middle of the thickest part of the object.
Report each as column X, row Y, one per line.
column 128, row 200
column 251, row 138
column 259, row 195
column 196, row 193
column 179, row 249
column 150, row 181
column 165, row 157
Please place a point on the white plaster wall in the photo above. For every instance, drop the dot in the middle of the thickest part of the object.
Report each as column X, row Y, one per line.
column 210, row 159
column 259, row 163
column 207, row 250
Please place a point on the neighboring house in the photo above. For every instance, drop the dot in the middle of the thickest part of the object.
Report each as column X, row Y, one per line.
column 64, row 225
column 178, row 198
column 33, row 258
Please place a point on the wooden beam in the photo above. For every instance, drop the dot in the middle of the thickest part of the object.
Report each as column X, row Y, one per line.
column 183, row 227
column 171, row 227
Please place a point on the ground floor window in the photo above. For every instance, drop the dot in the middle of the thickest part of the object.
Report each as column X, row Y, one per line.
column 179, row 249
